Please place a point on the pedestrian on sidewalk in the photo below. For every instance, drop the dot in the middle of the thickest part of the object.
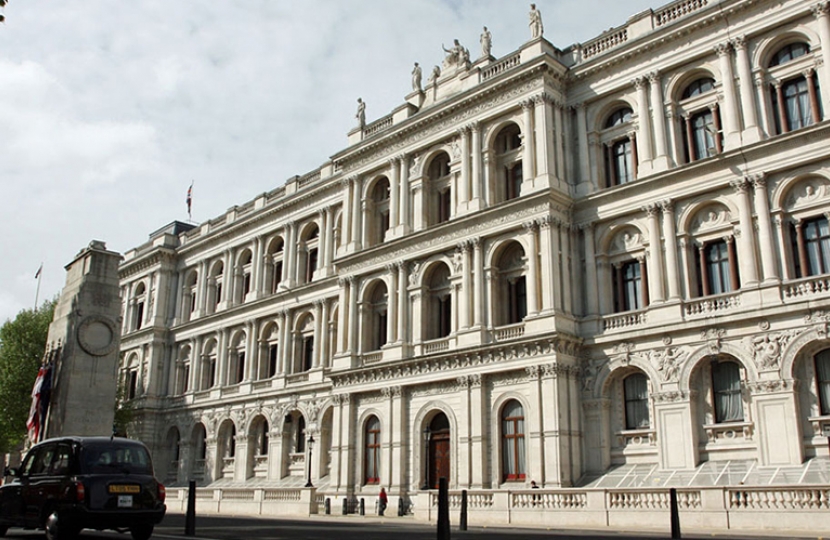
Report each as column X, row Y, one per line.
column 383, row 499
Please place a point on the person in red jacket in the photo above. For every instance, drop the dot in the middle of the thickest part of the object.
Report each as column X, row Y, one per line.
column 383, row 499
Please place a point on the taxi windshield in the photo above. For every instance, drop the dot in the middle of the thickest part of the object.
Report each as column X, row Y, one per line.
column 116, row 458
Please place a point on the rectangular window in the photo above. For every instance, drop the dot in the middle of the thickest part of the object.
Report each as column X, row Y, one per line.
column 444, row 206
column 132, row 384
column 726, row 389
column 246, row 284
column 823, row 380
column 240, row 366
column 308, row 352
column 628, row 287
column 277, row 276
column 635, row 388
column 312, row 265
column 273, row 352
column 717, row 267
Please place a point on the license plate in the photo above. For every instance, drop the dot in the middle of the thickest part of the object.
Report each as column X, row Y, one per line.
column 116, row 488
column 125, row 501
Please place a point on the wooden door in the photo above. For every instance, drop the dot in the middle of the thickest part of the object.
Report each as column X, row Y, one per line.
column 439, row 458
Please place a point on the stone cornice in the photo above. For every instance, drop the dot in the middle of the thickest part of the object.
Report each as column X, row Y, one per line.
column 409, row 371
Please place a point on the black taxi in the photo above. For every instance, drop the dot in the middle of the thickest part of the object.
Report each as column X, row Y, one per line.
column 67, row 484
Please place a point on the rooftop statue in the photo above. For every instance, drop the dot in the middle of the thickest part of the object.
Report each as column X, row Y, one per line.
column 361, row 113
column 433, row 77
column 457, row 55
column 416, row 78
column 486, row 43
column 536, row 28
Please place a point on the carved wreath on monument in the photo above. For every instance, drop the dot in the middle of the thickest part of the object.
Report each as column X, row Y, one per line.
column 97, row 335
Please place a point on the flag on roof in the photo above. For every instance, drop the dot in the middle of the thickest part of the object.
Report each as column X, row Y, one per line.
column 189, row 199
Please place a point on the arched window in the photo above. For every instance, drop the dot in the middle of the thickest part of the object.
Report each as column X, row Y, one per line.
column 262, row 438
column 242, row 276
column 512, row 285
column 215, row 283
column 236, row 370
column 208, row 366
column 377, row 318
column 371, row 464
column 440, row 186
column 823, row 381
column 795, row 98
column 189, row 295
column 698, row 87
column 620, row 166
column 139, row 298
column 726, row 391
column 199, row 440
column 508, row 154
column 183, row 372
column 700, row 120
column 513, row 441
column 811, row 242
column 439, row 303
column 274, row 268
column 380, row 211
column 310, row 242
column 635, row 390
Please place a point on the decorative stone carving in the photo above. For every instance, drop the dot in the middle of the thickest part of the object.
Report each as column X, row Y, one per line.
column 668, row 362
column 669, row 397
column 766, row 348
column 768, row 387
column 713, row 336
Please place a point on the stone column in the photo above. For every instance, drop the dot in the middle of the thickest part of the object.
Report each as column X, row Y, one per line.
column 658, row 118
column 478, row 283
column 392, row 307
column 567, row 295
column 397, row 435
column 545, row 136
column 821, row 11
column 532, row 279
column 670, row 241
column 591, row 282
column 475, row 131
column 356, row 212
column 342, row 320
column 403, row 308
column 318, row 333
column 257, row 267
column 478, row 428
column 418, row 221
column 346, row 219
column 783, row 238
column 731, row 122
column 582, row 139
column 655, row 260
column 644, row 130
column 528, row 154
column 394, row 202
column 765, row 235
column 559, row 140
column 285, row 343
column 747, row 91
column 329, row 255
column 464, row 183
column 546, row 270
column 327, row 341
column 290, row 257
column 748, row 263
column 251, row 351
column 544, row 465
column 404, row 216
column 463, row 251
column 354, row 323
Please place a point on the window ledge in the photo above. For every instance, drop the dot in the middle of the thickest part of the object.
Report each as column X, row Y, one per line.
column 727, row 432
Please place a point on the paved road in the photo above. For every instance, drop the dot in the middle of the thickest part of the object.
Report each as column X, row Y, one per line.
column 369, row 528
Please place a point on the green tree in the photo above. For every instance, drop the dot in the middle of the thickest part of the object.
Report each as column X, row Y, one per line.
column 22, row 345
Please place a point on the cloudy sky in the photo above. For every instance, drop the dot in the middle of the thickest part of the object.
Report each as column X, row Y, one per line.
column 109, row 109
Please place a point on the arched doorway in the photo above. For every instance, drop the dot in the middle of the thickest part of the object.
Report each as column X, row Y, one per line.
column 439, row 449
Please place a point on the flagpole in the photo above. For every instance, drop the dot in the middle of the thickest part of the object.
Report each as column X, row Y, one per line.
column 37, row 291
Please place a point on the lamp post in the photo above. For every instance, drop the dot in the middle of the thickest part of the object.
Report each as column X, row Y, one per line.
column 310, row 448
column 426, row 458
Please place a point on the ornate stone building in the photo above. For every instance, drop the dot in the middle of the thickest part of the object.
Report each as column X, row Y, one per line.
column 603, row 268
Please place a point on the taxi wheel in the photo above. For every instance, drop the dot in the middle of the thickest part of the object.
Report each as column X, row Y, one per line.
column 55, row 530
column 141, row 532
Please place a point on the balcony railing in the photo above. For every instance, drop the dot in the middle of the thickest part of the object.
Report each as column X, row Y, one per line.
column 712, row 305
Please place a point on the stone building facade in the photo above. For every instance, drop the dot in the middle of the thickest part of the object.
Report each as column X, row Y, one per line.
column 596, row 268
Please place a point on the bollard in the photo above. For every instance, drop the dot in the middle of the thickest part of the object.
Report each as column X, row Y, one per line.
column 362, row 506
column 190, row 517
column 443, row 510
column 462, row 520
column 328, row 505
column 345, row 506
column 675, row 515
column 400, row 506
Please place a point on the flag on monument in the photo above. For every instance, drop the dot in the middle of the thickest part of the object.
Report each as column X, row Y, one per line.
column 41, row 393
column 39, row 270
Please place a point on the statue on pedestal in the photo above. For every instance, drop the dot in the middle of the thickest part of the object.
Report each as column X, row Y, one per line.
column 361, row 113
column 536, row 28
column 416, row 78
column 486, row 43
column 457, row 55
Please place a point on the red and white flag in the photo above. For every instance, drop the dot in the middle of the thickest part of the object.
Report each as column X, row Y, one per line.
column 41, row 393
